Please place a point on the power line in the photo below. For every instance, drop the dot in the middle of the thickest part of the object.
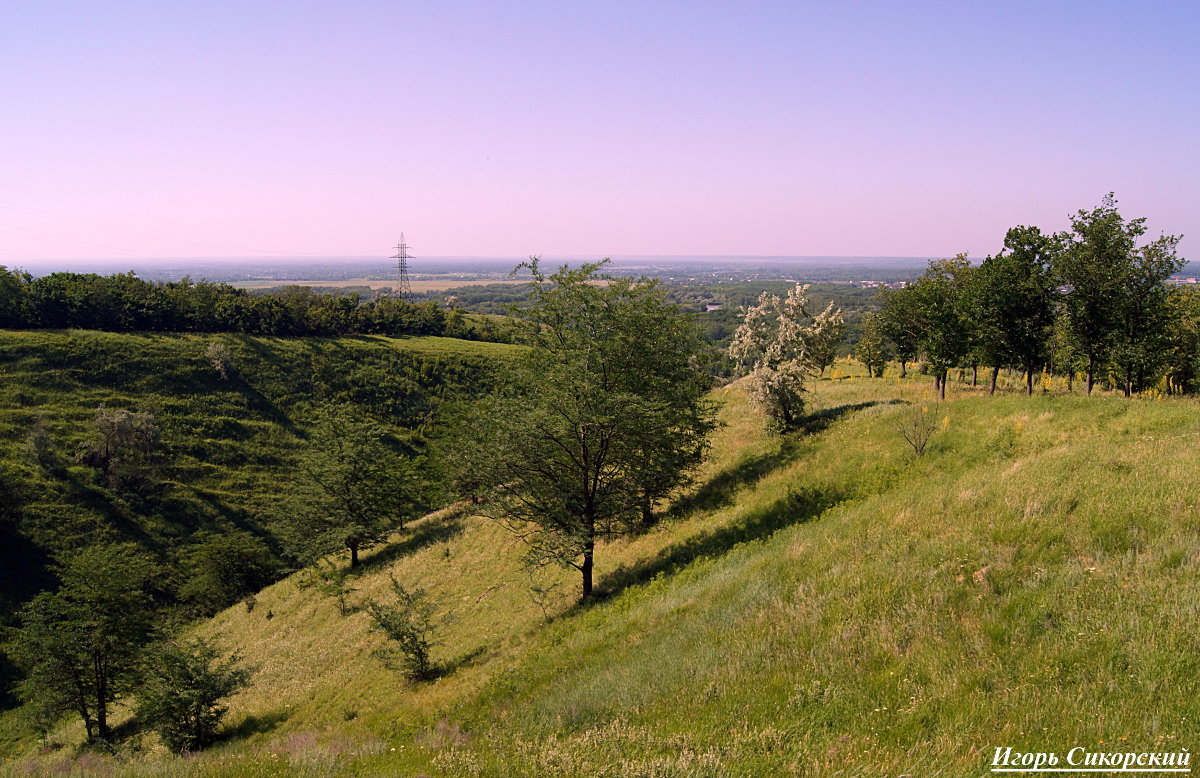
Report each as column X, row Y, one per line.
column 403, row 288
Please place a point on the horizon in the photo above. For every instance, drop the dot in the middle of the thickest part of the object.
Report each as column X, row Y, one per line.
column 141, row 132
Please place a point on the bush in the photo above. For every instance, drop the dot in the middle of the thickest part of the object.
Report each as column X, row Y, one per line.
column 408, row 624
column 221, row 569
column 183, row 688
column 917, row 425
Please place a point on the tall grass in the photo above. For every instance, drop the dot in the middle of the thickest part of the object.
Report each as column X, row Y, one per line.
column 823, row 603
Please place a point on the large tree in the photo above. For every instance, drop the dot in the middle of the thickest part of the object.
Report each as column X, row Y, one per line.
column 78, row 646
column 1093, row 266
column 604, row 414
column 1013, row 302
column 900, row 325
column 941, row 309
column 353, row 487
column 872, row 347
column 1144, row 312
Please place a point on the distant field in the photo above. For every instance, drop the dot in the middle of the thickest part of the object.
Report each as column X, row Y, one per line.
column 425, row 285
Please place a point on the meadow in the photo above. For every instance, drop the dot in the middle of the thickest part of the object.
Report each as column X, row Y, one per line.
column 821, row 604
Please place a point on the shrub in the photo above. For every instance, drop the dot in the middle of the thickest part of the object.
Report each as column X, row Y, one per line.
column 408, row 625
column 917, row 425
column 183, row 688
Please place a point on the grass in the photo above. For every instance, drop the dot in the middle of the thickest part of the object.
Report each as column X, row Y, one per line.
column 822, row 604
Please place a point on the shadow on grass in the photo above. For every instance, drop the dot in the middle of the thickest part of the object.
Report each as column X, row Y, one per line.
column 252, row 725
column 719, row 490
column 819, row 421
column 796, row 507
column 472, row 657
column 426, row 534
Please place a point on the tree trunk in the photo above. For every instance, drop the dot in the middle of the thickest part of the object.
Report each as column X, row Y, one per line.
column 101, row 698
column 974, row 375
column 1028, row 381
column 648, row 517
column 942, row 387
column 1071, row 380
column 995, row 375
column 589, row 549
column 353, row 555
column 1091, row 374
column 903, row 369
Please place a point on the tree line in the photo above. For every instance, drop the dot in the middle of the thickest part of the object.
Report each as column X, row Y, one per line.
column 1089, row 301
column 122, row 302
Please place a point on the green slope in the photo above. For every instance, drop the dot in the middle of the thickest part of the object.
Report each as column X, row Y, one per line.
column 826, row 604
column 228, row 443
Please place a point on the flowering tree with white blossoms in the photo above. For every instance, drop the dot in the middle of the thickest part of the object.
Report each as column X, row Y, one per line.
column 780, row 344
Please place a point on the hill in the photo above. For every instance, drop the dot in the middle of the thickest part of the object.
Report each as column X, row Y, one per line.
column 229, row 414
column 824, row 603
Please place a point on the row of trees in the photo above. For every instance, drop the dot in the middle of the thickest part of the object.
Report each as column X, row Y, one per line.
column 1090, row 300
column 125, row 303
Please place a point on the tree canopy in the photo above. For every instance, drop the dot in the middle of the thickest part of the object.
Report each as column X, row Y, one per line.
column 604, row 417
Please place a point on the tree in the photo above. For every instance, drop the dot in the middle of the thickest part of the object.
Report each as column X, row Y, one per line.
column 79, row 645
column 941, row 311
column 1093, row 265
column 826, row 340
column 1013, row 300
column 900, row 325
column 14, row 298
column 1144, row 316
column 354, row 489
column 604, row 413
column 872, row 348
column 183, row 686
column 408, row 624
column 783, row 344
column 125, row 447
column 221, row 568
column 1183, row 358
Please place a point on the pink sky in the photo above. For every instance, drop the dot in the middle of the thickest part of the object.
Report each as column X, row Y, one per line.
column 146, row 130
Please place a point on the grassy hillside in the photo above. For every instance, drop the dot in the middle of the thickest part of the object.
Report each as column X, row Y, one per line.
column 228, row 441
column 823, row 604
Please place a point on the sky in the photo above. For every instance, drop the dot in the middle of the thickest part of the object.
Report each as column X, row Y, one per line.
column 148, row 130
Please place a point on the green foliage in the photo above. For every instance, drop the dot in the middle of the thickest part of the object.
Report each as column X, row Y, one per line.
column 901, row 325
column 226, row 455
column 183, row 686
column 218, row 569
column 408, row 624
column 1012, row 299
column 1116, row 307
column 872, row 348
column 941, row 305
column 603, row 417
column 125, row 448
column 78, row 646
column 353, row 488
column 125, row 303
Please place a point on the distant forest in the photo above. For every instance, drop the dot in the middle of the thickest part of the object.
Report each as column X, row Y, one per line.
column 123, row 302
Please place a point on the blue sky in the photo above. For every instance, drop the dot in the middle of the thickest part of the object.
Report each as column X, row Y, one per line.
column 147, row 130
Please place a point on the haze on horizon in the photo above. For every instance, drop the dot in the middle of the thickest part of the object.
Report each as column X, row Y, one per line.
column 141, row 131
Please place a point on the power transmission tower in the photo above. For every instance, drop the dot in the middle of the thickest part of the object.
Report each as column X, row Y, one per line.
column 404, row 289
